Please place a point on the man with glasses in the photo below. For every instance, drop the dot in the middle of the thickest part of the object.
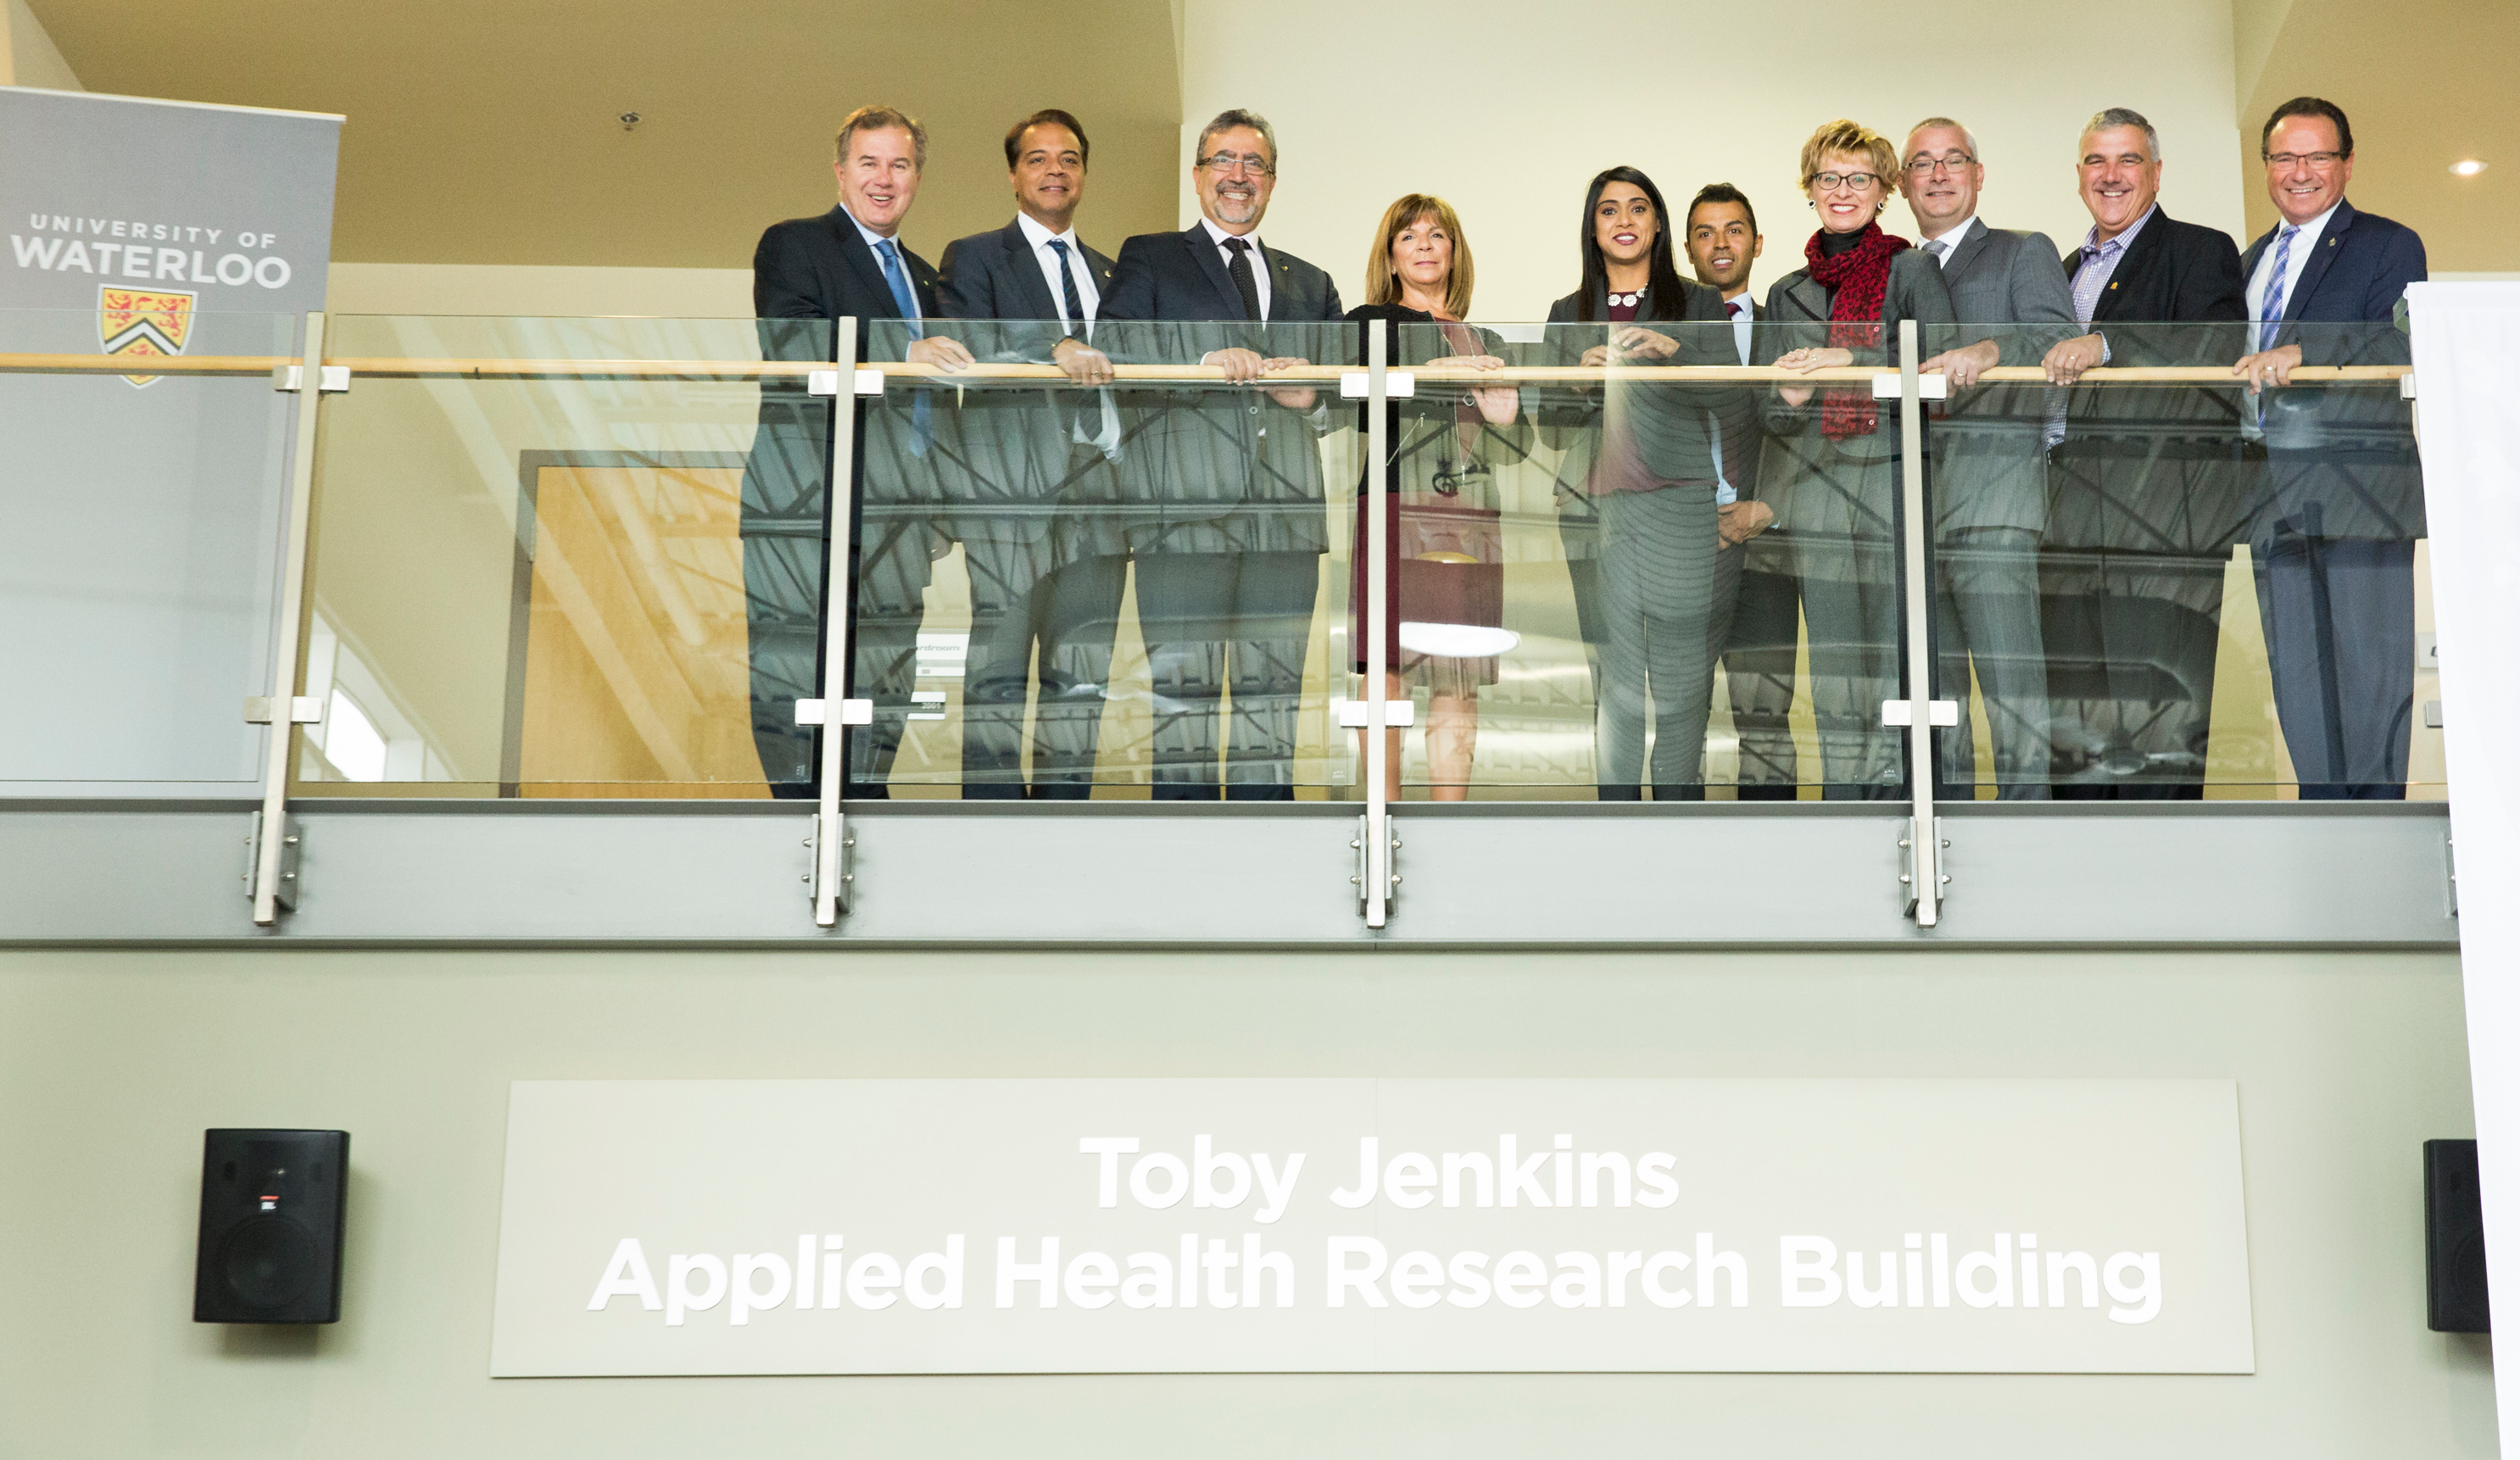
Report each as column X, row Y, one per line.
column 2334, row 543
column 2148, row 496
column 1045, row 561
column 1989, row 462
column 1226, row 517
column 848, row 262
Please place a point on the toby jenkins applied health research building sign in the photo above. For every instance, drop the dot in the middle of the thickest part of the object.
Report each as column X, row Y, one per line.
column 968, row 1226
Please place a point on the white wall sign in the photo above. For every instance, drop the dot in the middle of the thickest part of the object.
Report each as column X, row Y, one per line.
column 1203, row 1226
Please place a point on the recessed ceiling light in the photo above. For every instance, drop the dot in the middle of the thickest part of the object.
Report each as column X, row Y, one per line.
column 2468, row 167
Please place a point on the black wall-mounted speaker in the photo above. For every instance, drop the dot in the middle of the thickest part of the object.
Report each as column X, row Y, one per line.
column 271, row 1227
column 2453, row 1240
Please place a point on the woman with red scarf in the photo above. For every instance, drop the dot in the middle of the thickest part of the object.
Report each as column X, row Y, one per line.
column 1833, row 454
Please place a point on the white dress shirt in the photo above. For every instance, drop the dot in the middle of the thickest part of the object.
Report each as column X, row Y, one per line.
column 1258, row 257
column 2298, row 259
column 1077, row 270
column 1950, row 240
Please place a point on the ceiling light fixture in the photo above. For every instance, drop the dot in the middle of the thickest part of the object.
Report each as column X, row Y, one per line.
column 2468, row 167
column 629, row 120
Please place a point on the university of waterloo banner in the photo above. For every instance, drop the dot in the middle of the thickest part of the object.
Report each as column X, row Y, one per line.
column 140, row 513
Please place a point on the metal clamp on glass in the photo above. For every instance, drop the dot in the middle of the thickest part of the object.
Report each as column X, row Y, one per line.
column 1900, row 714
column 1356, row 384
column 822, row 382
column 852, row 712
column 330, row 380
column 870, row 383
column 1885, row 387
column 303, row 709
column 1395, row 713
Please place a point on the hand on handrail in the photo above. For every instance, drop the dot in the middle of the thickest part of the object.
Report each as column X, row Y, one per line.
column 2269, row 366
column 1963, row 366
column 938, row 351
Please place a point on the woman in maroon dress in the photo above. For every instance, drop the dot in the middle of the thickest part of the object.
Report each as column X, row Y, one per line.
column 1446, row 564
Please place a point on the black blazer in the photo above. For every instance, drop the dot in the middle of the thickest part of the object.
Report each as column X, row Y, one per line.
column 1210, row 470
column 1674, row 425
column 1177, row 276
column 995, row 276
column 822, row 269
column 2174, row 273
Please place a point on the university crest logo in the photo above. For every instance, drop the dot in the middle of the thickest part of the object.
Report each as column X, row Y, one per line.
column 143, row 321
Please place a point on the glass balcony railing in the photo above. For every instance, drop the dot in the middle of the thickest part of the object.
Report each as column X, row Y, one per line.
column 1618, row 563
column 141, row 498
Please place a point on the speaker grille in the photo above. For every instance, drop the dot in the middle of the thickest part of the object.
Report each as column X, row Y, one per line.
column 268, row 1263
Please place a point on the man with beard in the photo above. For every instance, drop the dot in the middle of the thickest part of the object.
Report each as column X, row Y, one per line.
column 1226, row 516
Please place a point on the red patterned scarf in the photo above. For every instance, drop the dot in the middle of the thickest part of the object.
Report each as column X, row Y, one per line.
column 1857, row 281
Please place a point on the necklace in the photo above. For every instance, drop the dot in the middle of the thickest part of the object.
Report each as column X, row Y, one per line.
column 1624, row 301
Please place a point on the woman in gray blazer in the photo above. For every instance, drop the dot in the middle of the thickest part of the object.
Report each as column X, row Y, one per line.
column 1831, row 467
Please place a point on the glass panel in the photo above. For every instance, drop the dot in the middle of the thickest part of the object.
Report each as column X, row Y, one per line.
column 1128, row 591
column 2228, row 585
column 140, row 537
column 566, row 558
column 1660, row 565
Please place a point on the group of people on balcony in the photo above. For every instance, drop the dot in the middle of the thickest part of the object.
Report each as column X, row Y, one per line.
column 2080, row 537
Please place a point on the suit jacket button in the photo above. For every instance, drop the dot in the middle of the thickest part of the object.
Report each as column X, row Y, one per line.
column 1255, row 410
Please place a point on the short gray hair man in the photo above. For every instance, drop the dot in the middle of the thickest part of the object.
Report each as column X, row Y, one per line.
column 2125, row 116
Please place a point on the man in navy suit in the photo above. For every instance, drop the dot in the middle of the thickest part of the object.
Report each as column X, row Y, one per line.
column 2334, row 541
column 1223, row 501
column 1039, row 534
column 846, row 262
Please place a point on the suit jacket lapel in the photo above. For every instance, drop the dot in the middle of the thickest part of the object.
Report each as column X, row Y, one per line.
column 1204, row 249
column 1812, row 297
column 2321, row 254
column 2132, row 269
column 1026, row 265
column 1965, row 251
column 860, row 259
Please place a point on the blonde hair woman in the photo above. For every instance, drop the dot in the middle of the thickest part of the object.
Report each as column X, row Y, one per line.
column 1838, row 462
column 1446, row 567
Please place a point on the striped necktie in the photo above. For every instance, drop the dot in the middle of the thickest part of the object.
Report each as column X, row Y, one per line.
column 2271, row 309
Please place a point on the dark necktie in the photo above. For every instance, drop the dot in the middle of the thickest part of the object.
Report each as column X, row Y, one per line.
column 1078, row 327
column 1243, row 282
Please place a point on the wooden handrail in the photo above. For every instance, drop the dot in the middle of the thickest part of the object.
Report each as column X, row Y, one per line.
column 492, row 368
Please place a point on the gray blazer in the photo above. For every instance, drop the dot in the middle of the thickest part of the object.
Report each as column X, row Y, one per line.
column 1990, row 453
column 1841, row 488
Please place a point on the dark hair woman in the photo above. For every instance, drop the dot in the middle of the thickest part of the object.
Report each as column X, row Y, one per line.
column 1446, row 573
column 1835, row 461
column 1639, row 488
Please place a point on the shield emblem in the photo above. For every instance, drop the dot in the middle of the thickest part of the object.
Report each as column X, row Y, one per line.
column 143, row 321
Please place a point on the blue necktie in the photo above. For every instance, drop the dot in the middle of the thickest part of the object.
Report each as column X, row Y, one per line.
column 2272, row 310
column 920, row 433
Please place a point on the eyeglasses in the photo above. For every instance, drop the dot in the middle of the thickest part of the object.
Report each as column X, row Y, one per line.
column 1928, row 166
column 1230, row 163
column 1830, row 182
column 2319, row 160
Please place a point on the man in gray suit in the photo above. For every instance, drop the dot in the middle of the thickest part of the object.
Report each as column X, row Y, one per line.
column 1039, row 538
column 1989, row 462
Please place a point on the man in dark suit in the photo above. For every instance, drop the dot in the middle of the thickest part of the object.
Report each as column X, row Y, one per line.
column 1226, row 517
column 2147, row 494
column 847, row 262
column 1758, row 600
column 2334, row 543
column 1039, row 537
column 1989, row 460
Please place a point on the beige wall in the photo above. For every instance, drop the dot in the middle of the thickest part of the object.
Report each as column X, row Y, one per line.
column 112, row 1064
column 1508, row 111
column 27, row 54
column 546, row 291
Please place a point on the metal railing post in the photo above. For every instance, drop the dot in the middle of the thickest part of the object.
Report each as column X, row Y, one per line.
column 1375, row 625
column 275, row 870
column 1924, row 842
column 831, row 877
